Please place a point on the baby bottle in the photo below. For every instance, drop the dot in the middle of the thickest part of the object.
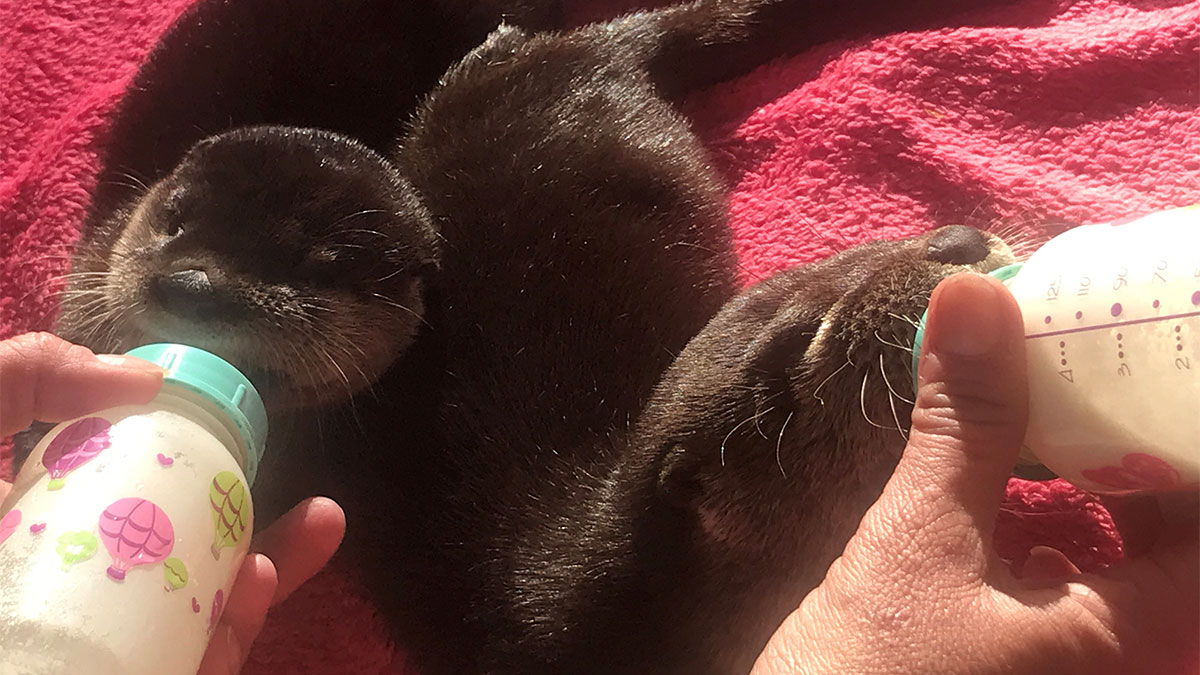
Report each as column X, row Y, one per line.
column 1112, row 335
column 125, row 529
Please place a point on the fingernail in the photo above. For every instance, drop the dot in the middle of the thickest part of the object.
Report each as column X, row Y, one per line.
column 1046, row 564
column 134, row 362
column 965, row 316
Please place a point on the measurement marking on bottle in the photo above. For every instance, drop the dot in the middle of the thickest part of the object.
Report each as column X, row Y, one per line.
column 1115, row 324
column 1183, row 362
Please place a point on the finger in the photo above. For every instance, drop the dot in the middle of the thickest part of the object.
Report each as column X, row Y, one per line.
column 302, row 541
column 967, row 424
column 1046, row 564
column 242, row 619
column 45, row 378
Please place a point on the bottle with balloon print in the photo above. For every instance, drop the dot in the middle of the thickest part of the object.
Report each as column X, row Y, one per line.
column 125, row 529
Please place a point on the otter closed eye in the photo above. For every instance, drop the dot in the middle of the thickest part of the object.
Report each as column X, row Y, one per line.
column 189, row 294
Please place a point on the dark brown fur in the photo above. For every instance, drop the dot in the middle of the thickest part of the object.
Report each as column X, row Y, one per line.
column 471, row 339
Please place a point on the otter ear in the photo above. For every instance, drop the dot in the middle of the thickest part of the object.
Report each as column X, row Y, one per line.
column 723, row 515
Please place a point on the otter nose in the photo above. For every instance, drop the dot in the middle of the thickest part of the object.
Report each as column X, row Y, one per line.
column 187, row 293
column 957, row 245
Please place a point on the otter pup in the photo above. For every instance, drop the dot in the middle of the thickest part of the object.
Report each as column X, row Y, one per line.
column 512, row 347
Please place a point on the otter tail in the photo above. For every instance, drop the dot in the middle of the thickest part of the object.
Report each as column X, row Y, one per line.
column 704, row 42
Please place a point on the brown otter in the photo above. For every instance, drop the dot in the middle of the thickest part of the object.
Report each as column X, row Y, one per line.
column 470, row 340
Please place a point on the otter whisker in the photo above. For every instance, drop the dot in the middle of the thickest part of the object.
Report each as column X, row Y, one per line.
column 779, row 443
column 883, row 372
column 892, row 344
column 896, row 418
column 58, row 279
column 115, row 322
column 903, row 342
column 341, row 343
column 758, row 413
column 305, row 361
column 315, row 307
column 93, row 317
column 93, row 305
column 309, row 370
column 137, row 181
column 80, row 293
column 907, row 362
column 862, row 402
column 130, row 186
column 732, row 431
column 364, row 212
column 77, row 275
column 892, row 396
column 974, row 211
column 377, row 233
column 905, row 319
column 92, row 323
column 59, row 257
column 333, row 362
column 392, row 303
column 817, row 392
column 351, row 344
column 389, row 276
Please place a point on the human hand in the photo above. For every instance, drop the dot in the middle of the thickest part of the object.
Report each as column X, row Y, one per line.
column 918, row 588
column 48, row 379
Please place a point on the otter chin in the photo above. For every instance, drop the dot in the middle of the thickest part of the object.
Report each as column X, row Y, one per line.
column 298, row 255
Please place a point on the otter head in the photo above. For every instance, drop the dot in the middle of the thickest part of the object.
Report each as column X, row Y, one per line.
column 295, row 254
column 778, row 425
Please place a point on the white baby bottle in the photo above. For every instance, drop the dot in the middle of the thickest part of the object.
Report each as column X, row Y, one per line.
column 1112, row 333
column 125, row 529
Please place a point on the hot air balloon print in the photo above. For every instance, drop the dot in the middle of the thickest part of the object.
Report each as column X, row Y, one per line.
column 175, row 573
column 136, row 532
column 74, row 446
column 227, row 497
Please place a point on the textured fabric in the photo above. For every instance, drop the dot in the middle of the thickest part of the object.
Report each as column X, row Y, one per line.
column 1021, row 116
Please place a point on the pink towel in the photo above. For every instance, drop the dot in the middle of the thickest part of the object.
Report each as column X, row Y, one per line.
column 1020, row 115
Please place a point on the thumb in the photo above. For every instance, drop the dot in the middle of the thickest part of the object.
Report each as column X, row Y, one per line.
column 969, row 418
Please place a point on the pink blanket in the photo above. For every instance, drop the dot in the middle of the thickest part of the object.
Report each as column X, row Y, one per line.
column 1020, row 115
